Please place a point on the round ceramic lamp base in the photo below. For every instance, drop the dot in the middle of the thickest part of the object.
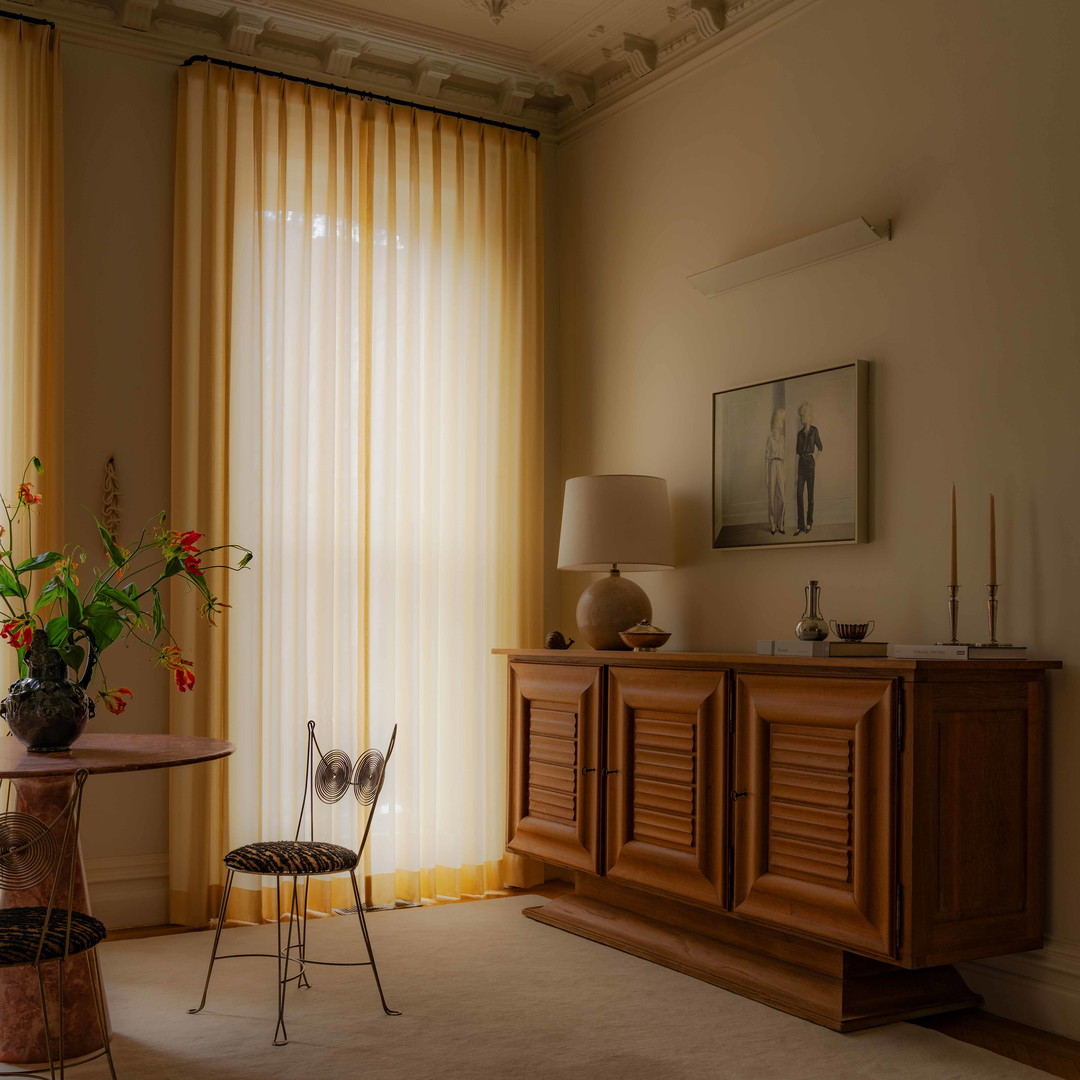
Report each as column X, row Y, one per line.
column 608, row 606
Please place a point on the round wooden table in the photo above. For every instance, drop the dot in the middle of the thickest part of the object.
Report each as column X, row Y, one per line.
column 43, row 784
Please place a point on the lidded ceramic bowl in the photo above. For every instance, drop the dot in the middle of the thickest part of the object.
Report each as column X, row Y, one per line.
column 644, row 637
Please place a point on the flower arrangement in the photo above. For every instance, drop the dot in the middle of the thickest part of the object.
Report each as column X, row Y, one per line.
column 122, row 599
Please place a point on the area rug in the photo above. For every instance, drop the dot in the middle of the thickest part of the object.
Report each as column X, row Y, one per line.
column 486, row 993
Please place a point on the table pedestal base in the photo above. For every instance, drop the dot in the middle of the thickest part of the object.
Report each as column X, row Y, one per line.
column 22, row 1034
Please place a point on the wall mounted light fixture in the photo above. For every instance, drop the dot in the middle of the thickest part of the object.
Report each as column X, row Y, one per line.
column 816, row 248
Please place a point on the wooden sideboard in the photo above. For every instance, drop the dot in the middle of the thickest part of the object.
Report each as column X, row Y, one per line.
column 823, row 835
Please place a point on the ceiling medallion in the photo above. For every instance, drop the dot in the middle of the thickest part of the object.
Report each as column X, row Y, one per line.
column 495, row 9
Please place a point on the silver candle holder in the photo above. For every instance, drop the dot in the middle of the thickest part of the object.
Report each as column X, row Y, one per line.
column 991, row 615
column 954, row 612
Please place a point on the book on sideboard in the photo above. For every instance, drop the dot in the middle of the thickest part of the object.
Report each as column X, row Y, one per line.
column 959, row 652
column 823, row 648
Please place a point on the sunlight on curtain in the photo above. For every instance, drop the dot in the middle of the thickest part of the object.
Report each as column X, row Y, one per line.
column 357, row 397
column 31, row 271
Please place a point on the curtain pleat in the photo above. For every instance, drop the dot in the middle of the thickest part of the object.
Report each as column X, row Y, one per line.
column 31, row 274
column 358, row 398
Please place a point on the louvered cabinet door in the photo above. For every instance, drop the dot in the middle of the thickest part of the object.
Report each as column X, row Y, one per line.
column 666, row 793
column 554, row 793
column 814, row 817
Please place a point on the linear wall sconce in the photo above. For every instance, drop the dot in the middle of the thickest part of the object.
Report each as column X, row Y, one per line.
column 808, row 250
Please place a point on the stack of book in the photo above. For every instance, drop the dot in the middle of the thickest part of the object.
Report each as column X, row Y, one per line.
column 823, row 648
column 898, row 652
column 959, row 652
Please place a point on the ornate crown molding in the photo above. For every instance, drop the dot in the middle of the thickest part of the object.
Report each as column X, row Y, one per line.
column 577, row 74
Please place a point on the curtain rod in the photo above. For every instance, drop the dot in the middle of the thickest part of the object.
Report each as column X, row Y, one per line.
column 367, row 95
column 26, row 18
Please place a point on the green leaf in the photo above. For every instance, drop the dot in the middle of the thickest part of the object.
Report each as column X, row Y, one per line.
column 244, row 561
column 120, row 598
column 57, row 630
column 104, row 629
column 115, row 554
column 172, row 567
column 38, row 562
column 52, row 592
column 158, row 616
column 38, row 467
column 10, row 584
column 200, row 583
column 132, row 590
column 73, row 655
column 74, row 606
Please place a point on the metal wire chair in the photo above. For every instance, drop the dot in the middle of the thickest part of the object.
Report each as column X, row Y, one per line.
column 329, row 781
column 33, row 853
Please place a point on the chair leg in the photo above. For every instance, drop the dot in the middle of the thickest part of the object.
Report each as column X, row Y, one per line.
column 99, row 1006
column 217, row 937
column 60, row 965
column 45, row 1022
column 367, row 942
column 301, row 932
column 281, row 1036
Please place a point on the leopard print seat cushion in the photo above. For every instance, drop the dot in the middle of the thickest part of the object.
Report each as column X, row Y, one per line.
column 288, row 857
column 21, row 927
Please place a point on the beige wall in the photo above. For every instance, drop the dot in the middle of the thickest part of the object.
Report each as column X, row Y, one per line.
column 959, row 122
column 119, row 126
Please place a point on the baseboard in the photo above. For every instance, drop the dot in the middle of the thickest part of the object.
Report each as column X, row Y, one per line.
column 131, row 890
column 1040, row 988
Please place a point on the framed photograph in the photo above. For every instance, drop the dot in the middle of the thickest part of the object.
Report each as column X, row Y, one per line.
column 790, row 460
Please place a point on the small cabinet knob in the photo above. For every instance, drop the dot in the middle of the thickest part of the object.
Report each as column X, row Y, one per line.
column 610, row 772
column 584, row 770
column 735, row 795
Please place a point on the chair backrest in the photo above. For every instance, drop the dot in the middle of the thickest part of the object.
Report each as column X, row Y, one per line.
column 330, row 775
column 33, row 852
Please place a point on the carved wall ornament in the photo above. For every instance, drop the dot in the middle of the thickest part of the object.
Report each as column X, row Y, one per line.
column 110, row 499
column 496, row 9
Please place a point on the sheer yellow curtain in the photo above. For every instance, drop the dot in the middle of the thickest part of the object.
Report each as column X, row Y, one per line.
column 31, row 271
column 31, row 237
column 357, row 397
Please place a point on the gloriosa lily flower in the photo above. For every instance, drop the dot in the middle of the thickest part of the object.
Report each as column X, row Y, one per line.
column 26, row 496
column 114, row 699
column 18, row 632
column 173, row 660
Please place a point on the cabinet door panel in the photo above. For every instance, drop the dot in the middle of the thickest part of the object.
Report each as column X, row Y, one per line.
column 554, row 731
column 668, row 797
column 815, row 829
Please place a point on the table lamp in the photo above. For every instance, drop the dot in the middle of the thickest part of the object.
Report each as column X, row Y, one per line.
column 614, row 522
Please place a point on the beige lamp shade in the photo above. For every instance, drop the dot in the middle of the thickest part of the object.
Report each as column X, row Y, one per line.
column 616, row 519
column 615, row 522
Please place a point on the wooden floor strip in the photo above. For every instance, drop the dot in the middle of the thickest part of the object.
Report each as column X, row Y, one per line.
column 1054, row 1054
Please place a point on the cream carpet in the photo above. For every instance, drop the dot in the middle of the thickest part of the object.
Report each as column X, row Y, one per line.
column 484, row 993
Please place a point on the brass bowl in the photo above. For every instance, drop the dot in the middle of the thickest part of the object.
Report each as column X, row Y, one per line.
column 644, row 638
column 852, row 631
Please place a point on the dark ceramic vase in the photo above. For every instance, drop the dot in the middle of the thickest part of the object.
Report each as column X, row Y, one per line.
column 46, row 711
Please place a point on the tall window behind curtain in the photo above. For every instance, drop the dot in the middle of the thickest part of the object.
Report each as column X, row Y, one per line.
column 357, row 396
column 31, row 270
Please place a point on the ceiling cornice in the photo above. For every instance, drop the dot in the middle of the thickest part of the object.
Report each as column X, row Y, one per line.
column 605, row 58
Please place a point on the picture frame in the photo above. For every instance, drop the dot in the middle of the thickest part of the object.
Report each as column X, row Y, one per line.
column 790, row 460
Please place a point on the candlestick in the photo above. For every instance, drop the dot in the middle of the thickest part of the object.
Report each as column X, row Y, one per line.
column 952, row 549
column 993, row 546
column 954, row 611
column 991, row 615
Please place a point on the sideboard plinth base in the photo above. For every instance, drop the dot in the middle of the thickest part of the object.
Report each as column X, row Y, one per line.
column 826, row 984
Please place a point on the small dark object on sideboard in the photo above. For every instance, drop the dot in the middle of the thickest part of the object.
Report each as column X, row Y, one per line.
column 555, row 640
